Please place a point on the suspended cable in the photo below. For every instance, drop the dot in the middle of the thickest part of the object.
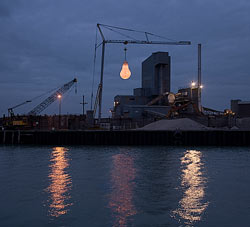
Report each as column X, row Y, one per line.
column 93, row 79
column 45, row 93
column 120, row 28
column 127, row 36
column 132, row 30
column 162, row 37
column 99, row 45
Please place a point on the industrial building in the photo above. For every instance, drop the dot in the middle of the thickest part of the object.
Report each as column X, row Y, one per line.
column 240, row 108
column 155, row 81
column 152, row 99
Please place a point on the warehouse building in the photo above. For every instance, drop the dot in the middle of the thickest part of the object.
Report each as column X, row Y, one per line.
column 240, row 108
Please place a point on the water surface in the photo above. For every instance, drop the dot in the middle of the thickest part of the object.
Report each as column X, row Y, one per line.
column 124, row 186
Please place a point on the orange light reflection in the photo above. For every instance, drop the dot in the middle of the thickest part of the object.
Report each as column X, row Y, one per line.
column 192, row 205
column 60, row 183
column 121, row 199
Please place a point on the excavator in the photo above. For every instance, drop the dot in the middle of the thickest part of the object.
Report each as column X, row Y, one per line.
column 26, row 121
column 175, row 109
column 177, row 103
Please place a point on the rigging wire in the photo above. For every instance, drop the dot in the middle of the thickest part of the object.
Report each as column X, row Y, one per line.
column 99, row 44
column 120, row 28
column 127, row 36
column 66, row 95
column 93, row 79
column 132, row 30
column 53, row 108
column 45, row 93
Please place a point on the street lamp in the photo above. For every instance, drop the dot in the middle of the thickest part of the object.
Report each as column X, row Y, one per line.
column 60, row 106
column 193, row 84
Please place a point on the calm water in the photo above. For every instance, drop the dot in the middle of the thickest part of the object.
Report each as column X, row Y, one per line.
column 124, row 186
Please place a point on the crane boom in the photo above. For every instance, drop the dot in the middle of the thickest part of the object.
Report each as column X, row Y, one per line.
column 157, row 99
column 148, row 42
column 43, row 105
column 10, row 110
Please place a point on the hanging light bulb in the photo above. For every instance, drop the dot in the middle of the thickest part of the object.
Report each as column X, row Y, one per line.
column 125, row 72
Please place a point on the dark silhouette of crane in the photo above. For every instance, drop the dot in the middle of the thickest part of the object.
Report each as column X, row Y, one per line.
column 11, row 109
column 128, row 40
column 43, row 105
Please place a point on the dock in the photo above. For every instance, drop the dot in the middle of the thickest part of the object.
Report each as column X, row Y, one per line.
column 126, row 138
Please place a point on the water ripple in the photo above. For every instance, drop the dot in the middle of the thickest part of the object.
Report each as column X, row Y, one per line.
column 60, row 183
column 193, row 184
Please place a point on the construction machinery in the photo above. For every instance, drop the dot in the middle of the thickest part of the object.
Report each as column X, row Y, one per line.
column 43, row 105
column 26, row 121
column 11, row 109
column 131, row 40
column 177, row 103
column 175, row 109
column 158, row 98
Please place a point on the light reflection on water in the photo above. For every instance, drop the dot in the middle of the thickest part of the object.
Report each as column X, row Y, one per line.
column 192, row 204
column 143, row 186
column 60, row 183
column 121, row 198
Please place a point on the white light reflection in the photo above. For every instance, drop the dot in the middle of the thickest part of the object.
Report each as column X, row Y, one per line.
column 192, row 205
column 60, row 183
column 121, row 198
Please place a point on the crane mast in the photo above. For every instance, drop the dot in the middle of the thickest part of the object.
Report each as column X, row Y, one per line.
column 43, row 105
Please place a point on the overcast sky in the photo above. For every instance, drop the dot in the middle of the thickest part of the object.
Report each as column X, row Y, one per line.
column 46, row 43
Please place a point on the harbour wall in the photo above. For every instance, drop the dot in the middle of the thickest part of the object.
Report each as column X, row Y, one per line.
column 136, row 137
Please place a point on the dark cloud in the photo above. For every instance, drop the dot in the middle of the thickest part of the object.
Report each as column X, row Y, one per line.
column 45, row 43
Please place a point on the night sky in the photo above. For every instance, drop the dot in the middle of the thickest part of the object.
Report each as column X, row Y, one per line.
column 46, row 43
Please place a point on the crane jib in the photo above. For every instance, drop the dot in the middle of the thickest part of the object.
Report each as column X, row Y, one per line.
column 43, row 105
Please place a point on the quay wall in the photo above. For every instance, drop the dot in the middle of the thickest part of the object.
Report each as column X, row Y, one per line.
column 186, row 138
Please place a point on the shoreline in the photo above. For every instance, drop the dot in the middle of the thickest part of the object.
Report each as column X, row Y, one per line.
column 127, row 137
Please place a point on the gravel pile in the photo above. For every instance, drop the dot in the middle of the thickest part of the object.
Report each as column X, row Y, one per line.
column 184, row 124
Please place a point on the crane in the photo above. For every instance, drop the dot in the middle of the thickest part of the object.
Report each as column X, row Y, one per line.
column 131, row 40
column 43, row 105
column 158, row 98
column 10, row 110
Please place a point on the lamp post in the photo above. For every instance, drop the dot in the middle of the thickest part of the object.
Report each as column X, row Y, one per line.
column 60, row 106
column 191, row 88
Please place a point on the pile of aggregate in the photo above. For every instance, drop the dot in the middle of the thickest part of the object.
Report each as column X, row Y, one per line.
column 183, row 124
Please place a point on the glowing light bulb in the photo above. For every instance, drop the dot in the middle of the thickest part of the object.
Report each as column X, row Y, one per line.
column 125, row 72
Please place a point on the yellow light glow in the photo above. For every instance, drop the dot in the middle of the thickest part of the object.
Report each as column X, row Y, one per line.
column 193, row 203
column 59, row 96
column 201, row 86
column 60, row 183
column 193, row 83
column 123, row 175
column 125, row 72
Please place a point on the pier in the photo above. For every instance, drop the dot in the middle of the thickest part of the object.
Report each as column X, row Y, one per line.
column 127, row 138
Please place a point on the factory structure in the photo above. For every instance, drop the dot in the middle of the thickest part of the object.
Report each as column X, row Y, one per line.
column 155, row 80
column 154, row 98
column 240, row 108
